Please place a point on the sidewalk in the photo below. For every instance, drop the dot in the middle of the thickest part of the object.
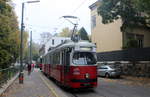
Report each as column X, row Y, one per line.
column 34, row 86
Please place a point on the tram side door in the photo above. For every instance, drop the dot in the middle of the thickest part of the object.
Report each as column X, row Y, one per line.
column 65, row 66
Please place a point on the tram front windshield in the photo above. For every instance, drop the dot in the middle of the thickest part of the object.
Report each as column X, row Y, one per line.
column 84, row 58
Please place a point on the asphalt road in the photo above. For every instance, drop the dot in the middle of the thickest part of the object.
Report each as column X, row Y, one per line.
column 107, row 88
column 113, row 88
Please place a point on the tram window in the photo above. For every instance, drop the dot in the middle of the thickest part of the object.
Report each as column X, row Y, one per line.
column 63, row 57
column 55, row 58
column 58, row 59
column 47, row 59
column 40, row 60
column 67, row 58
column 51, row 59
column 84, row 58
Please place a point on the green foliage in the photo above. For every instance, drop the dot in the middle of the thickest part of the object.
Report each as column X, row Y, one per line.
column 143, row 6
column 128, row 10
column 9, row 35
column 83, row 34
column 66, row 32
column 35, row 52
column 25, row 41
column 131, row 43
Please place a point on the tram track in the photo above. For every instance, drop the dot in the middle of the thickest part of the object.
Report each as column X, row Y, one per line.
column 74, row 95
column 85, row 93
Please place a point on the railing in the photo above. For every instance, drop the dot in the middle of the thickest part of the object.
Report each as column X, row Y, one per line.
column 7, row 74
column 135, row 54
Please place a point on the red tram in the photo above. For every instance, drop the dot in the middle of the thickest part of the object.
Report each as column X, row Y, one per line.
column 39, row 63
column 73, row 64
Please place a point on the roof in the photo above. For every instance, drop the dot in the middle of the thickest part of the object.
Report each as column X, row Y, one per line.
column 94, row 5
column 73, row 44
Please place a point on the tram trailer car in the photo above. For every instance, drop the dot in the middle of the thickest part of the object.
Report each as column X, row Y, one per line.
column 73, row 64
column 39, row 63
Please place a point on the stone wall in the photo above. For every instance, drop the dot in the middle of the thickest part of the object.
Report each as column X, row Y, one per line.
column 136, row 69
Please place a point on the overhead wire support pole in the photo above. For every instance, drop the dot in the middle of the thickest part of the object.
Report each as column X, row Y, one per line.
column 21, row 47
column 21, row 75
column 31, row 47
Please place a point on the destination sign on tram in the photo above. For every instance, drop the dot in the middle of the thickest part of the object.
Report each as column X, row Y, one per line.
column 86, row 48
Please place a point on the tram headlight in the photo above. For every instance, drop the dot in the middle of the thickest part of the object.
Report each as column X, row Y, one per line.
column 87, row 75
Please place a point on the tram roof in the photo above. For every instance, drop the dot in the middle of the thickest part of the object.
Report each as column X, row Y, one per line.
column 80, row 43
column 73, row 44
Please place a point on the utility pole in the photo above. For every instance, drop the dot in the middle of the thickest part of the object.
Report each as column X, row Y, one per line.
column 21, row 75
column 21, row 47
column 31, row 47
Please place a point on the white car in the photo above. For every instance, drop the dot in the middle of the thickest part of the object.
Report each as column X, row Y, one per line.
column 108, row 71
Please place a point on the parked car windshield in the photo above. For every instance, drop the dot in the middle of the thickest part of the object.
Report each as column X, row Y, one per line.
column 84, row 58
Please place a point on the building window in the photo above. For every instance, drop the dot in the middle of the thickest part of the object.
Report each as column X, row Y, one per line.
column 53, row 42
column 93, row 20
column 140, row 40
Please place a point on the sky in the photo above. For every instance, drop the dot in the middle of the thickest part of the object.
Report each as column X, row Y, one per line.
column 46, row 16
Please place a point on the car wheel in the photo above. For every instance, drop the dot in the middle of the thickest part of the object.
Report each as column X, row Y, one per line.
column 107, row 75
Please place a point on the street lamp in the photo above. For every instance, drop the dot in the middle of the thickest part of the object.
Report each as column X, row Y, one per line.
column 21, row 43
column 74, row 36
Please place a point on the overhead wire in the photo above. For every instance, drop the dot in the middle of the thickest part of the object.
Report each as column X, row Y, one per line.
column 62, row 23
column 82, row 3
column 77, row 8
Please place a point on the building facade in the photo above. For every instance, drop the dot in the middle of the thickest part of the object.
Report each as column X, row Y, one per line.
column 108, row 37
column 110, row 41
column 51, row 43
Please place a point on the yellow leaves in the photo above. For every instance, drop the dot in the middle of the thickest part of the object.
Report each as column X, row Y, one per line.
column 66, row 32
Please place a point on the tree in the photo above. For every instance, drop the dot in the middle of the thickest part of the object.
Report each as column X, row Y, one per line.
column 45, row 36
column 143, row 6
column 127, row 10
column 83, row 34
column 66, row 32
column 9, row 35
column 131, row 43
column 25, row 43
column 35, row 52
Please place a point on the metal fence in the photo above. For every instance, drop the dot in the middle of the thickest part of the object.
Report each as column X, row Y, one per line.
column 7, row 74
column 135, row 54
